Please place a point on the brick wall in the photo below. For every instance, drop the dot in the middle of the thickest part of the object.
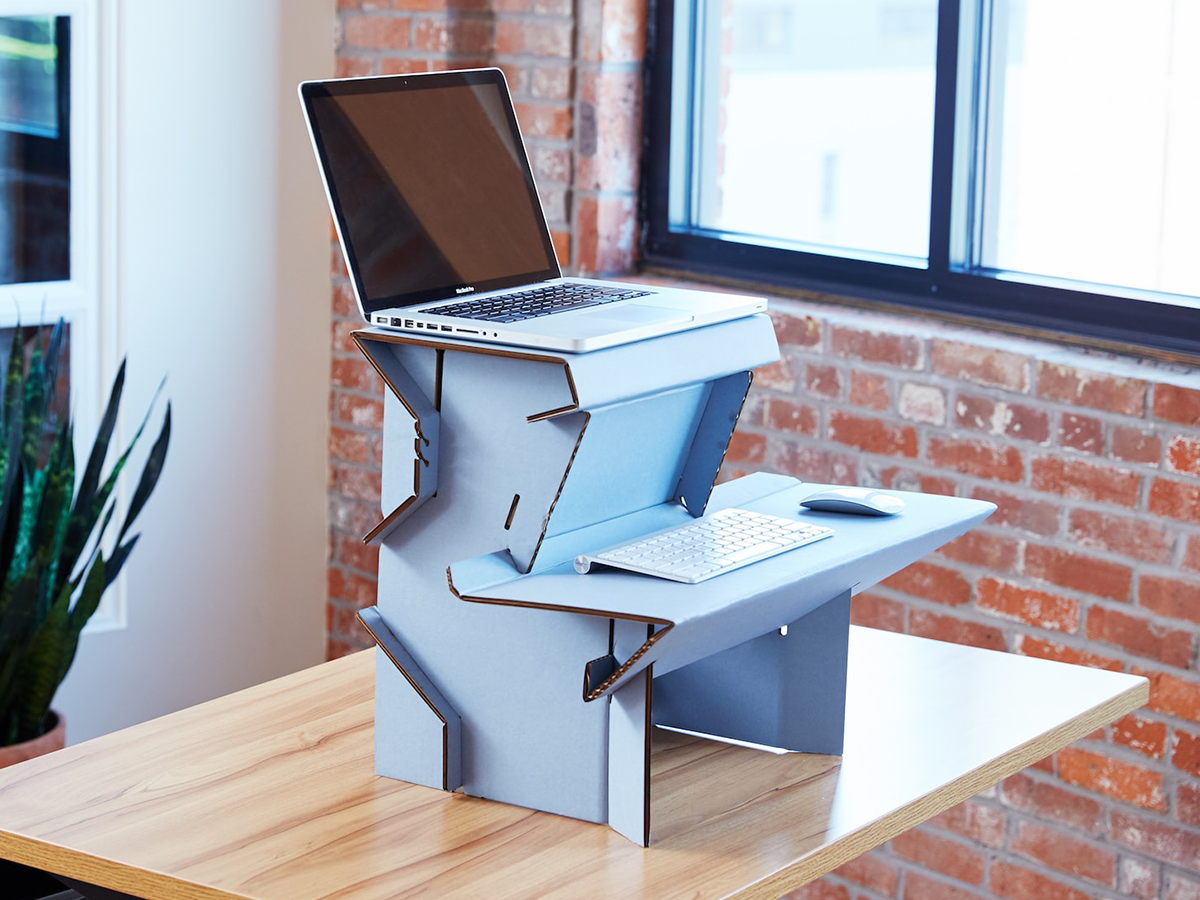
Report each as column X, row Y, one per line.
column 1094, row 461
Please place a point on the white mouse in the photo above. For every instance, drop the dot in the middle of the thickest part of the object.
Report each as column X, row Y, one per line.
column 858, row 501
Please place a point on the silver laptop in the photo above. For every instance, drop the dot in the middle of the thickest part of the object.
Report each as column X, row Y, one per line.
column 442, row 230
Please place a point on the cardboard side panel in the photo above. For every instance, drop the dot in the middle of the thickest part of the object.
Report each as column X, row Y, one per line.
column 711, row 440
column 629, row 458
column 778, row 690
column 410, row 741
column 629, row 760
column 433, row 756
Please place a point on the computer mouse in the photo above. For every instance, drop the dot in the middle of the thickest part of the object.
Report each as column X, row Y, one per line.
column 858, row 501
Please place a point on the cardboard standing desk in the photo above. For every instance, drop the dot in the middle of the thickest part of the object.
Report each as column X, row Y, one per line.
column 508, row 675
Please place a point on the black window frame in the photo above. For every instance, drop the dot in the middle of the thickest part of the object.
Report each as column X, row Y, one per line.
column 1125, row 320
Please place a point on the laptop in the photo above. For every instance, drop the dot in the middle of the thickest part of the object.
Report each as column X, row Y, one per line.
column 442, row 230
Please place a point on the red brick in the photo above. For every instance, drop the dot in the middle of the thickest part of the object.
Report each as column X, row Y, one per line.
column 623, row 32
column 547, row 119
column 1187, row 803
column 354, row 554
column 1066, row 854
column 1078, row 572
column 336, row 648
column 1138, row 878
column 1183, row 455
column 745, row 447
column 796, row 330
column 1170, row 597
column 1156, row 839
column 872, row 435
column 1123, row 535
column 1023, row 513
column 363, row 412
column 1018, row 883
column 609, row 130
column 347, row 446
column 404, row 65
column 922, row 403
column 1177, row 404
column 823, row 381
column 900, row 350
column 1179, row 888
column 778, row 376
column 981, row 365
column 552, row 82
column 971, row 819
column 547, row 39
column 358, row 483
column 871, row 872
column 983, row 459
column 1192, row 558
column 950, row 857
column 783, row 415
column 419, row 5
column 874, row 611
column 456, row 37
column 377, row 32
column 1081, row 480
column 1022, row 604
column 1082, row 433
column 1000, row 417
column 335, row 585
column 1122, row 781
column 923, row 623
column 605, row 228
column 918, row 886
column 1140, row 636
column 1027, row 645
column 562, row 247
column 1172, row 695
column 870, row 390
column 1048, row 800
column 933, row 582
column 995, row 552
column 1142, row 735
column 354, row 372
column 1133, row 445
column 1175, row 500
column 1084, row 387
column 814, row 463
column 1185, row 752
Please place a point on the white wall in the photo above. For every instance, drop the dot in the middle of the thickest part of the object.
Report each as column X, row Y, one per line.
column 222, row 283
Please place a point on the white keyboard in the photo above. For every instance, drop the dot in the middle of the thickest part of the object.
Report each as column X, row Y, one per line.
column 707, row 546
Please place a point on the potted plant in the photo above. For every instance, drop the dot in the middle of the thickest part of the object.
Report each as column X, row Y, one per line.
column 55, row 556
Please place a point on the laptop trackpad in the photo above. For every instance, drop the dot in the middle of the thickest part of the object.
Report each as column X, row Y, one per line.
column 619, row 317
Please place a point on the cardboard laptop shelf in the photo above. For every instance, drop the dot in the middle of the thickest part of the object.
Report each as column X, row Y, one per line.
column 506, row 674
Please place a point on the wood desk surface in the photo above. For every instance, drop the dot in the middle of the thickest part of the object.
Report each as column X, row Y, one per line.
column 271, row 792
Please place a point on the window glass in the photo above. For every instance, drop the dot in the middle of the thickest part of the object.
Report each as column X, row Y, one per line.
column 815, row 125
column 35, row 178
column 1093, row 118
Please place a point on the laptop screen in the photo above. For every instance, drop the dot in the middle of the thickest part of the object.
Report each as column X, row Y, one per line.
column 430, row 185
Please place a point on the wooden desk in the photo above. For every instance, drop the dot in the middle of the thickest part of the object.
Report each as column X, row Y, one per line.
column 270, row 792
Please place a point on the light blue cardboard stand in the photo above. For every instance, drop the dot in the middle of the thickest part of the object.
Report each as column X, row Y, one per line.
column 504, row 673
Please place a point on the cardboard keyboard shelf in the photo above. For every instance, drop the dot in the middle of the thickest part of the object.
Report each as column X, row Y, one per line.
column 508, row 675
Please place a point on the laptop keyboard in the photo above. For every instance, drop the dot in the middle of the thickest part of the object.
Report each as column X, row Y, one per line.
column 530, row 304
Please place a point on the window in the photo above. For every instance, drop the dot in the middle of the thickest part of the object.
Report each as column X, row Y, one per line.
column 56, row 169
column 1027, row 162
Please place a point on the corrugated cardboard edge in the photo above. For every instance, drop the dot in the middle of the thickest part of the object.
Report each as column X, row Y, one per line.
column 653, row 636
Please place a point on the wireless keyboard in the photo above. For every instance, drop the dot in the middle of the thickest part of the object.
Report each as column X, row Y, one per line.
column 708, row 546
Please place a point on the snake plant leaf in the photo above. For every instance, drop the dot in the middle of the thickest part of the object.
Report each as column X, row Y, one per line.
column 40, row 673
column 91, row 474
column 154, row 465
column 112, row 568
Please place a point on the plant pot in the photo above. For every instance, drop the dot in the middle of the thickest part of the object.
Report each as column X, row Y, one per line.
column 54, row 739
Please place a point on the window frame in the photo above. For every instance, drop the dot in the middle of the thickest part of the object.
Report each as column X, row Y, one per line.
column 952, row 285
column 87, row 300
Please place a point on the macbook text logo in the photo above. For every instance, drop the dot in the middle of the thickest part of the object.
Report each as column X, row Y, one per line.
column 463, row 290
